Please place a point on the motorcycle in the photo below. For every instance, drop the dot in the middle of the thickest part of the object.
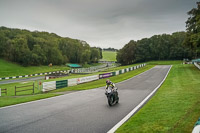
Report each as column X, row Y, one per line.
column 112, row 96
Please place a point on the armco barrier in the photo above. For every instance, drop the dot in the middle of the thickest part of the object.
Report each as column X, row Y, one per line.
column 197, row 127
column 125, row 71
column 72, row 82
column 113, row 73
column 61, row 84
column 47, row 86
column 122, row 70
column 117, row 72
column 87, row 79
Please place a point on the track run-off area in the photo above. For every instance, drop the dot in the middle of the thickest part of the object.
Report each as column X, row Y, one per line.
column 83, row 111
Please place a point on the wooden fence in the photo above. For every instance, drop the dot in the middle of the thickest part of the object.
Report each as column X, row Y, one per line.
column 24, row 89
column 3, row 91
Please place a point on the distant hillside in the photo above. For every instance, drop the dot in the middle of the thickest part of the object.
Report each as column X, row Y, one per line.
column 109, row 56
column 41, row 48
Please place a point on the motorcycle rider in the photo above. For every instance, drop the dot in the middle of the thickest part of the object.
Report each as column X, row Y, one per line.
column 112, row 85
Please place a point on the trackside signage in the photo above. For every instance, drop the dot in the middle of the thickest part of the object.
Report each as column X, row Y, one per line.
column 72, row 82
column 105, row 75
column 48, row 86
column 87, row 79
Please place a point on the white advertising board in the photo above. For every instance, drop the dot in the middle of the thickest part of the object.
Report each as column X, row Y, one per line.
column 47, row 86
column 87, row 79
column 72, row 82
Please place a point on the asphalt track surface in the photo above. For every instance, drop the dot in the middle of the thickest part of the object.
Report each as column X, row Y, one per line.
column 80, row 112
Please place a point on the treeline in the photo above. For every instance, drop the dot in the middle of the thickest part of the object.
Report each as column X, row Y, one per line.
column 42, row 48
column 110, row 49
column 158, row 47
column 177, row 46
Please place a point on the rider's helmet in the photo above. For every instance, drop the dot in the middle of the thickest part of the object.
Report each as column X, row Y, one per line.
column 108, row 82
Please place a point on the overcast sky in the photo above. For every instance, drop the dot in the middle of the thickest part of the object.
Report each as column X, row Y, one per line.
column 103, row 23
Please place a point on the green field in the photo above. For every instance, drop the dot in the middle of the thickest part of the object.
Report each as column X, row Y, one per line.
column 174, row 108
column 109, row 56
column 8, row 69
column 11, row 99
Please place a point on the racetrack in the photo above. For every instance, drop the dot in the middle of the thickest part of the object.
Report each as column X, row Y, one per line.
column 80, row 112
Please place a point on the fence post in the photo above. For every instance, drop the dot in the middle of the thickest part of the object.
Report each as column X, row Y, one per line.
column 33, row 88
column 15, row 90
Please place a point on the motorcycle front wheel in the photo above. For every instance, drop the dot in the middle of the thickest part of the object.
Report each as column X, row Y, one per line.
column 110, row 100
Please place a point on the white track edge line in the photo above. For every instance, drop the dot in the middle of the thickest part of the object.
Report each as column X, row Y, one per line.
column 112, row 130
column 66, row 94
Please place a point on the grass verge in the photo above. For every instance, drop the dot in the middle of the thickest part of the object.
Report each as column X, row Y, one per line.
column 10, row 100
column 174, row 108
column 165, row 62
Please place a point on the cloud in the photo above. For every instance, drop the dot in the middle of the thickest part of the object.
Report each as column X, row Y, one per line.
column 104, row 23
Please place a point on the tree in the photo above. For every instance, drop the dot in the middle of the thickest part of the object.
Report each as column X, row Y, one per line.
column 143, row 51
column 158, row 47
column 127, row 55
column 42, row 48
column 95, row 55
column 3, row 42
column 193, row 30
column 38, row 56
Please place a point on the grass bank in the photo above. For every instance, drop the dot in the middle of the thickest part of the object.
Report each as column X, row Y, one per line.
column 10, row 100
column 8, row 69
column 174, row 108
